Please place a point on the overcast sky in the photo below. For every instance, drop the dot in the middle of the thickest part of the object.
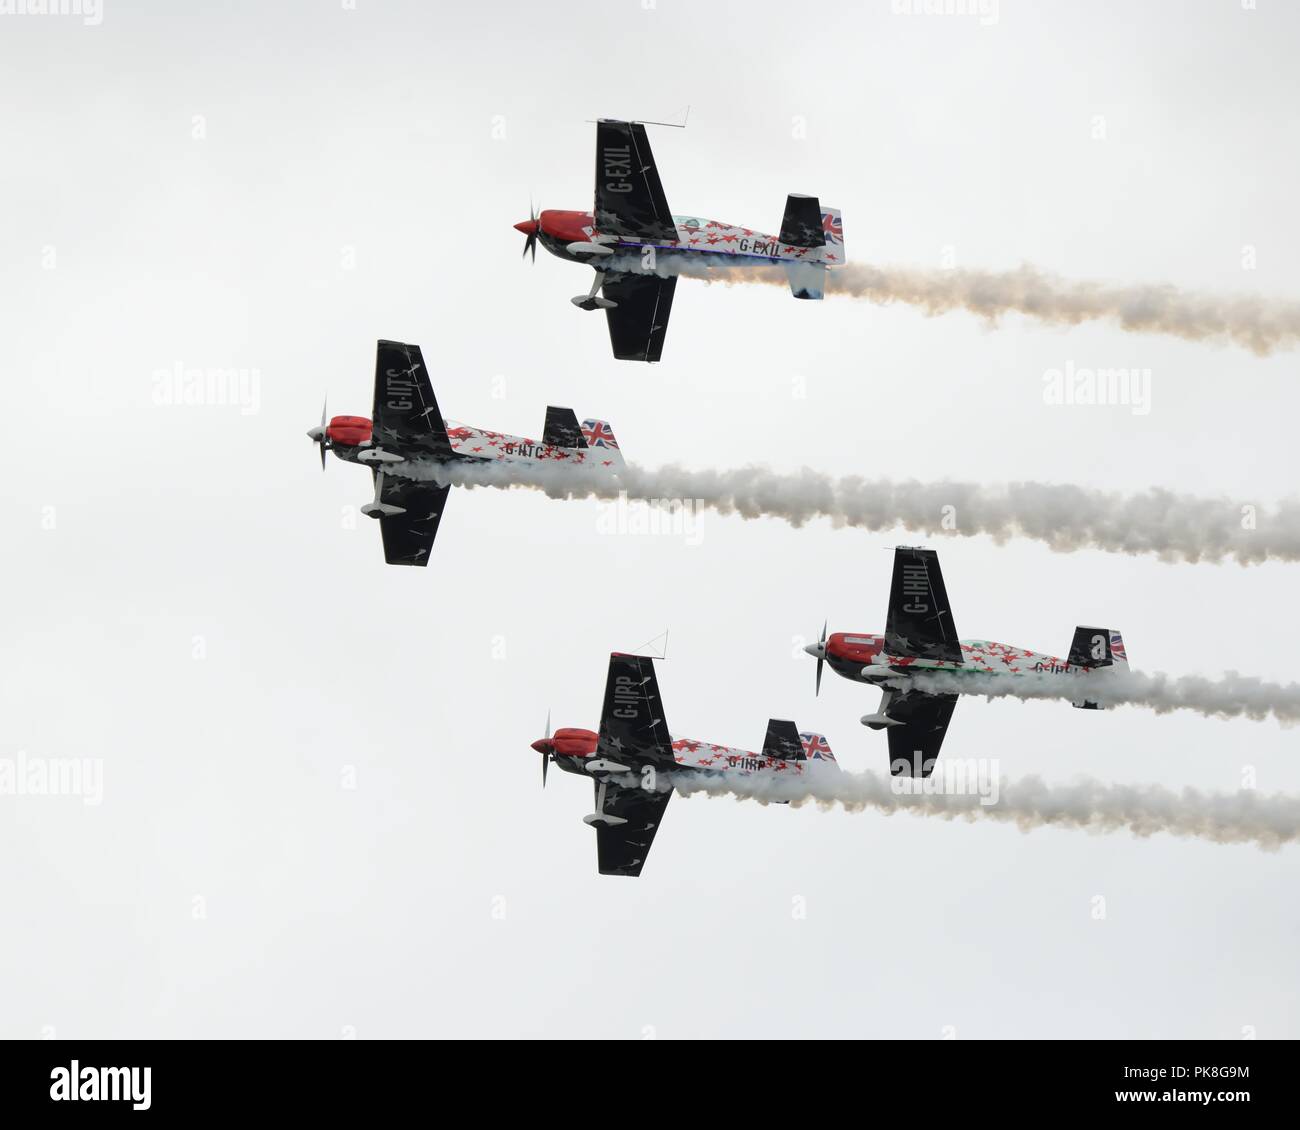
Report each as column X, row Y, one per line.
column 320, row 813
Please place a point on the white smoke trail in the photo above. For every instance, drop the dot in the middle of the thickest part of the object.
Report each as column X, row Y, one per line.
column 1171, row 526
column 1254, row 322
column 1224, row 818
column 1229, row 696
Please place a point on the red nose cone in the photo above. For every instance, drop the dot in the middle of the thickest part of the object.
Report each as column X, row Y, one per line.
column 544, row 745
column 528, row 227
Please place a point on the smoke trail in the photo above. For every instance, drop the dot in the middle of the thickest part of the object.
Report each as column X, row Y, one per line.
column 1230, row 696
column 1256, row 323
column 1171, row 526
column 1223, row 818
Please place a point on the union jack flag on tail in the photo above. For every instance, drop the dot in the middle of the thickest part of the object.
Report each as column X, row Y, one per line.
column 601, row 444
column 1117, row 652
column 816, row 747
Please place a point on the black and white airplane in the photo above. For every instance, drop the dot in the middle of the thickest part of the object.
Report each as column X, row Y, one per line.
column 631, row 238
column 633, row 760
column 406, row 442
column 920, row 638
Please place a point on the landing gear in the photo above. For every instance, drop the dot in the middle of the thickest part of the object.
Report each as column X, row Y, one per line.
column 600, row 818
column 881, row 719
column 378, row 508
column 591, row 300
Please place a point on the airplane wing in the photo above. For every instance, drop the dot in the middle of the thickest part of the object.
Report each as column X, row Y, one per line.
column 408, row 538
column 622, row 849
column 638, row 323
column 406, row 417
column 632, row 727
column 914, row 746
column 919, row 622
column 630, row 200
column 633, row 733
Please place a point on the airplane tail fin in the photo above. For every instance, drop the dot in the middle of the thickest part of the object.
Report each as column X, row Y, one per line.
column 601, row 444
column 786, row 742
column 821, row 230
column 1093, row 648
column 833, row 254
column 817, row 748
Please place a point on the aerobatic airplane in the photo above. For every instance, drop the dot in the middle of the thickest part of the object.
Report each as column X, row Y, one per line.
column 407, row 440
column 633, row 752
column 631, row 234
column 920, row 637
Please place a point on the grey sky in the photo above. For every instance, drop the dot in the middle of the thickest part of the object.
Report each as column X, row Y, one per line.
column 357, row 177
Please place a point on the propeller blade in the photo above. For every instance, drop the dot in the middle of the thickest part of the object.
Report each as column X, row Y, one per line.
column 321, row 436
column 821, row 659
column 530, row 244
column 546, row 757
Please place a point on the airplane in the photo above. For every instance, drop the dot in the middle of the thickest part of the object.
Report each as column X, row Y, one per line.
column 633, row 750
column 920, row 637
column 407, row 439
column 631, row 228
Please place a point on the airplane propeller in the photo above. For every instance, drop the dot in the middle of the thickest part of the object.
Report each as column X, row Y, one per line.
column 821, row 658
column 530, row 229
column 546, row 750
column 320, row 435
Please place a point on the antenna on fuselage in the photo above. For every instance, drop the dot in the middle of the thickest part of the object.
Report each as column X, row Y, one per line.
column 643, row 122
column 645, row 646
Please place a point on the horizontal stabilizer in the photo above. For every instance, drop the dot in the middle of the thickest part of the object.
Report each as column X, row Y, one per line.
column 801, row 226
column 561, row 429
column 783, row 741
column 1093, row 648
column 807, row 280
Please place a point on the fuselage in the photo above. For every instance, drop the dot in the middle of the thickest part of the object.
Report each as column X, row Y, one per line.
column 862, row 657
column 573, row 748
column 557, row 229
column 351, row 437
